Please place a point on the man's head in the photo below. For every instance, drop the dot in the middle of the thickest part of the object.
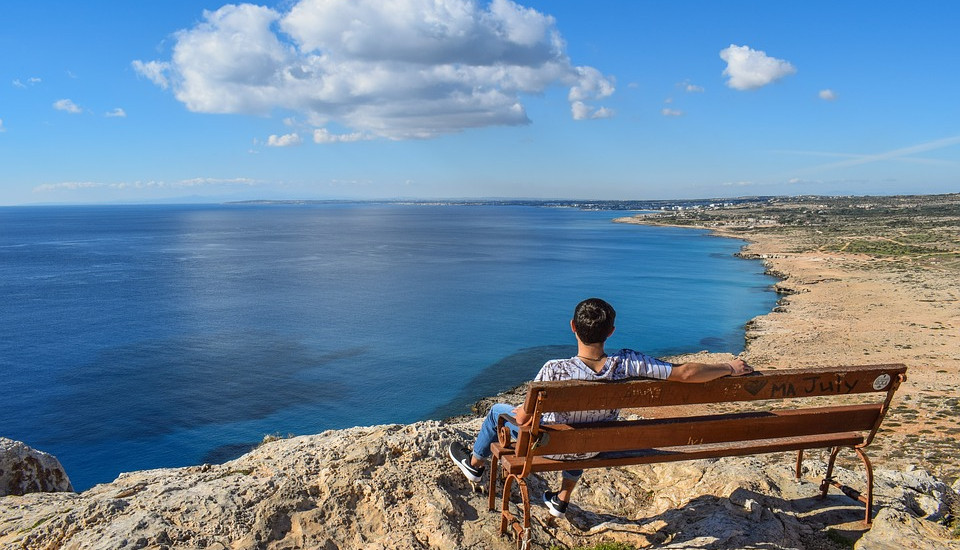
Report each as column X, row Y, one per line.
column 593, row 320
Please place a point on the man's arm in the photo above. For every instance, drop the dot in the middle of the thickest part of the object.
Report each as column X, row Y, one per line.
column 705, row 372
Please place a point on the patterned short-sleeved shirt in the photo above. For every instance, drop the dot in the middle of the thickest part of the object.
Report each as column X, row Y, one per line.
column 623, row 364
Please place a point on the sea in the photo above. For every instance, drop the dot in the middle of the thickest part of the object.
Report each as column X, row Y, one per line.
column 140, row 337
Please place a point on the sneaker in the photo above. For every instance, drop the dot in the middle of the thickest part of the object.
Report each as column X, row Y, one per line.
column 461, row 457
column 556, row 506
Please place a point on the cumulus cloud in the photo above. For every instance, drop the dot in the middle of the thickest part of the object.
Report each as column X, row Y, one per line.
column 286, row 140
column 670, row 112
column 116, row 113
column 749, row 69
column 581, row 111
column 68, row 106
column 828, row 95
column 398, row 69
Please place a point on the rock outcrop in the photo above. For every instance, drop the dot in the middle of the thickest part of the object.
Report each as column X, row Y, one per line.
column 392, row 487
column 25, row 470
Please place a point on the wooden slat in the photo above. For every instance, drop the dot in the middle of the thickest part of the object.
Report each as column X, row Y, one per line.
column 780, row 384
column 671, row 432
column 514, row 464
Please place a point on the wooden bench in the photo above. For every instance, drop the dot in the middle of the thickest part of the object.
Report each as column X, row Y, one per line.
column 687, row 433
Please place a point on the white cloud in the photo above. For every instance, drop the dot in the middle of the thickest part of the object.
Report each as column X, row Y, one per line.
column 322, row 135
column 603, row 112
column 591, row 84
column 194, row 182
column 32, row 81
column 2, row 127
column 749, row 69
column 801, row 181
column 399, row 69
column 68, row 106
column 152, row 184
column 671, row 112
column 156, row 71
column 67, row 186
column 691, row 88
column 581, row 111
column 116, row 113
column 286, row 140
column 827, row 95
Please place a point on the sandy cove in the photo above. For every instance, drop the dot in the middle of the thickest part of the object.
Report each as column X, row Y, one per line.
column 842, row 308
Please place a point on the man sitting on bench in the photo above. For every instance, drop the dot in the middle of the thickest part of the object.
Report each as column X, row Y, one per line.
column 592, row 324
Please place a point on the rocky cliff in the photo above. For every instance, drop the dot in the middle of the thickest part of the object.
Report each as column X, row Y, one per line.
column 392, row 487
column 24, row 470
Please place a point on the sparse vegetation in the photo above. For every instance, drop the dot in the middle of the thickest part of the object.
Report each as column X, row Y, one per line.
column 36, row 524
column 837, row 538
column 274, row 437
column 911, row 229
column 600, row 546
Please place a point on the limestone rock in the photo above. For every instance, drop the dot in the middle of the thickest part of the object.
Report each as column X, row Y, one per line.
column 898, row 530
column 392, row 487
column 25, row 470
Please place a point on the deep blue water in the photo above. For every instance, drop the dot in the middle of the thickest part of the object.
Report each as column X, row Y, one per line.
column 135, row 337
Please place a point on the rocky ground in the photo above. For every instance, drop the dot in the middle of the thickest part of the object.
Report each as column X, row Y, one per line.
column 392, row 487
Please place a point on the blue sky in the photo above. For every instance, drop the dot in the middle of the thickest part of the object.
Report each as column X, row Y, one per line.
column 206, row 101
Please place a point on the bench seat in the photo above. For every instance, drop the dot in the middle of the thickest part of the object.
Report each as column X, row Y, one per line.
column 759, row 416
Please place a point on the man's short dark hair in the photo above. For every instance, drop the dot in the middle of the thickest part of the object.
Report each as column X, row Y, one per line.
column 593, row 320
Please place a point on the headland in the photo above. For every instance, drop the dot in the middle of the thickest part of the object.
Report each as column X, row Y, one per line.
column 865, row 280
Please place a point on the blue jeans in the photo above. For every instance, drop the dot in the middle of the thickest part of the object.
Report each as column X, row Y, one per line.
column 488, row 434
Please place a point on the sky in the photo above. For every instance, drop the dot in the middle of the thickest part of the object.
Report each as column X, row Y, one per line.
column 203, row 101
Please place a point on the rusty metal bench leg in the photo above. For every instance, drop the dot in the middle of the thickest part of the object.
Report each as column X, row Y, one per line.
column 868, row 500
column 492, row 488
column 521, row 531
column 799, row 462
column 828, row 478
column 850, row 492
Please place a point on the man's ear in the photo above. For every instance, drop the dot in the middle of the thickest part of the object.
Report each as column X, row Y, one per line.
column 611, row 331
column 573, row 327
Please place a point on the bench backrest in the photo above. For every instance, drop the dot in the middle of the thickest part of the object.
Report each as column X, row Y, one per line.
column 686, row 428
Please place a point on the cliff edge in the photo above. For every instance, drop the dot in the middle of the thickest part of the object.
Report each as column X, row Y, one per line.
column 392, row 487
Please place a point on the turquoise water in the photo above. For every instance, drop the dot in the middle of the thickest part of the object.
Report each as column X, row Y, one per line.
column 135, row 337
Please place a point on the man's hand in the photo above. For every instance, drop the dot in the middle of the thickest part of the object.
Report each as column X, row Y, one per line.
column 739, row 367
column 522, row 418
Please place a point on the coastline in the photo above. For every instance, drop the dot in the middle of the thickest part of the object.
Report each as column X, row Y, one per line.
column 849, row 308
column 391, row 487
